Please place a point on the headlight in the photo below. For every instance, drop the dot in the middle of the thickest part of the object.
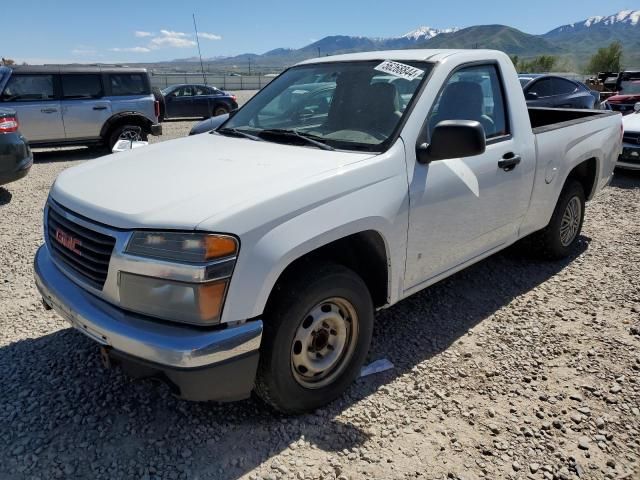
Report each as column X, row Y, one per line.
column 182, row 247
column 174, row 299
column 195, row 303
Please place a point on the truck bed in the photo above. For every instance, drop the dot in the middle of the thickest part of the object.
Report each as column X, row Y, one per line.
column 547, row 119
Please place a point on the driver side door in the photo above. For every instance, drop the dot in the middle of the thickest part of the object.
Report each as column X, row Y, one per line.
column 179, row 102
column 462, row 208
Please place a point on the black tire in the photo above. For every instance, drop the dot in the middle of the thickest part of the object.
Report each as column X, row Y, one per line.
column 548, row 243
column 135, row 132
column 315, row 286
column 219, row 110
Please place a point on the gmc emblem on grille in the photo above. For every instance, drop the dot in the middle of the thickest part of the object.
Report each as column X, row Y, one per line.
column 67, row 241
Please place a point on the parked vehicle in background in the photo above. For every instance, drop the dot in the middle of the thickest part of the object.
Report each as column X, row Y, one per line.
column 80, row 105
column 208, row 124
column 256, row 256
column 630, row 157
column 551, row 91
column 188, row 101
column 15, row 155
column 625, row 100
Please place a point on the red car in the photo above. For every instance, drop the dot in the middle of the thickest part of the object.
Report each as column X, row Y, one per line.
column 628, row 95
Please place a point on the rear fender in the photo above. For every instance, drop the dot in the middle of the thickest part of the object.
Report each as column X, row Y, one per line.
column 134, row 118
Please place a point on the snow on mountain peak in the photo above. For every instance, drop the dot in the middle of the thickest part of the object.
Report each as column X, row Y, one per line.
column 625, row 16
column 425, row 33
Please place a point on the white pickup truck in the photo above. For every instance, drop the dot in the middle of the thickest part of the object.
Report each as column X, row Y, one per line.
column 253, row 257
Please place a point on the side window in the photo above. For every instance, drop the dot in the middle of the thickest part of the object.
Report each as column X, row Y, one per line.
column 541, row 88
column 127, row 84
column 81, row 86
column 25, row 88
column 563, row 87
column 473, row 93
column 200, row 90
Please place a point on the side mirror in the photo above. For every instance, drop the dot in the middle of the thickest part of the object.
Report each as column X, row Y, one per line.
column 636, row 107
column 453, row 139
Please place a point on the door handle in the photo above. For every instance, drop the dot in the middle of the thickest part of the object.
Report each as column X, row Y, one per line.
column 99, row 107
column 509, row 161
column 49, row 110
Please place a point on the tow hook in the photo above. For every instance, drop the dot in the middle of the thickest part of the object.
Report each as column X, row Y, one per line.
column 104, row 357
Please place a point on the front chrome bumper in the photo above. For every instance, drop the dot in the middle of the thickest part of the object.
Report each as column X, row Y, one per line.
column 160, row 343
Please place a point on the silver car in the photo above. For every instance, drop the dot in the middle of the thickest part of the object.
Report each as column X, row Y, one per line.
column 60, row 105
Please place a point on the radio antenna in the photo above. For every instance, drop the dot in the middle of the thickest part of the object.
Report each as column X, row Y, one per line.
column 195, row 27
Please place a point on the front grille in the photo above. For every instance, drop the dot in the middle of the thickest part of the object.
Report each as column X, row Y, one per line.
column 632, row 137
column 84, row 251
column 622, row 107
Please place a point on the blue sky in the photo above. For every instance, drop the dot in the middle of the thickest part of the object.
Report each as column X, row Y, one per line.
column 138, row 30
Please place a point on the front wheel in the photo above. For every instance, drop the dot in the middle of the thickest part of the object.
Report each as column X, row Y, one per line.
column 316, row 338
column 559, row 237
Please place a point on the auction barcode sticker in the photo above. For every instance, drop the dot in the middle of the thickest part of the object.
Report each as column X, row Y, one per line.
column 399, row 70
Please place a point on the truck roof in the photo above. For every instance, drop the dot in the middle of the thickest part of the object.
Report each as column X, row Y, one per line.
column 416, row 55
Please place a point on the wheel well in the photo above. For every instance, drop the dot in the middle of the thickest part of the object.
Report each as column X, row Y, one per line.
column 585, row 173
column 364, row 253
column 120, row 120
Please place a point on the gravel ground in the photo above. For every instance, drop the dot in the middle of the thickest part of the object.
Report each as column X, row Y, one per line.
column 511, row 369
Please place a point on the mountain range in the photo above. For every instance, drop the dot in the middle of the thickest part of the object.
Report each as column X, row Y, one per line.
column 574, row 42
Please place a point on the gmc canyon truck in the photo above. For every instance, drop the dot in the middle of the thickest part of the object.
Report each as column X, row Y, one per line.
column 253, row 258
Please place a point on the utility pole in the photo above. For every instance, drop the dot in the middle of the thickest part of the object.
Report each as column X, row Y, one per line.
column 204, row 77
column 249, row 60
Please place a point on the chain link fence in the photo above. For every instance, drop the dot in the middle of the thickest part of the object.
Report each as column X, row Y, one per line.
column 224, row 82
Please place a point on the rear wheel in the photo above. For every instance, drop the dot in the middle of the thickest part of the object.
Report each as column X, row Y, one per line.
column 316, row 338
column 559, row 237
column 220, row 110
column 127, row 132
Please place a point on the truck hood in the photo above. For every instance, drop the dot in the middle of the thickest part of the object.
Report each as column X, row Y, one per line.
column 631, row 122
column 180, row 183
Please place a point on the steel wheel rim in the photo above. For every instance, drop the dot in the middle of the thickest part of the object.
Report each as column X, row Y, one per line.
column 324, row 343
column 570, row 221
column 130, row 134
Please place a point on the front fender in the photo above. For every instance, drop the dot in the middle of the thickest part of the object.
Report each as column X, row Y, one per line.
column 379, row 205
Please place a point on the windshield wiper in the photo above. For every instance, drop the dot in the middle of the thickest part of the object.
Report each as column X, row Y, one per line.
column 238, row 133
column 307, row 137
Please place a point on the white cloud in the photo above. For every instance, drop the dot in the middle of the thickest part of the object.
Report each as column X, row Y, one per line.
column 142, row 34
column 209, row 36
column 131, row 49
column 169, row 38
column 172, row 33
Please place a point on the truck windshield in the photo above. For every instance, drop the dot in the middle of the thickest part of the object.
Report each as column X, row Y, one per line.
column 346, row 105
column 630, row 87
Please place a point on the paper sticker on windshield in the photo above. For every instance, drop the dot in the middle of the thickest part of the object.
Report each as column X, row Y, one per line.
column 399, row 70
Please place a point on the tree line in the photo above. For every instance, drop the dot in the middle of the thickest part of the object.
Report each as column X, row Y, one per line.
column 606, row 59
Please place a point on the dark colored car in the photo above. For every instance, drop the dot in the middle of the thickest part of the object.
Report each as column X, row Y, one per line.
column 197, row 101
column 551, row 91
column 15, row 155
